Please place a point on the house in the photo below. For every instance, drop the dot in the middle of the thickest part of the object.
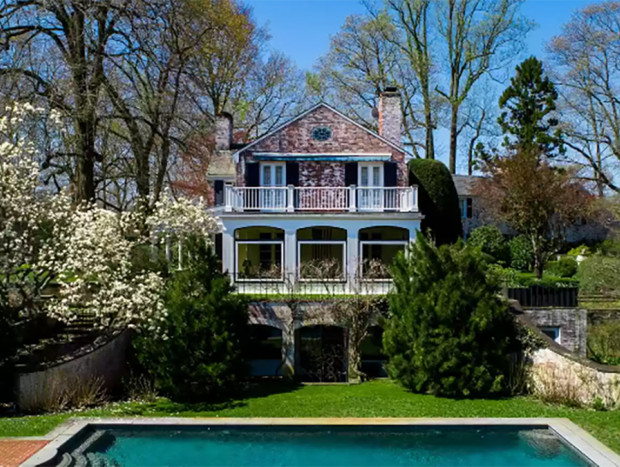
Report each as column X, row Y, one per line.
column 320, row 200
column 321, row 205
column 595, row 227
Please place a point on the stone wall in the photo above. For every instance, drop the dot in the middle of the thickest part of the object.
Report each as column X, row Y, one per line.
column 572, row 322
column 559, row 378
column 105, row 361
column 316, row 174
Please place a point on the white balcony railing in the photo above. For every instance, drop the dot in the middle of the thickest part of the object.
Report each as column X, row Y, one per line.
column 292, row 199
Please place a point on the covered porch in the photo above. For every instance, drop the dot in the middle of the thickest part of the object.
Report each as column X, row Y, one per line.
column 297, row 255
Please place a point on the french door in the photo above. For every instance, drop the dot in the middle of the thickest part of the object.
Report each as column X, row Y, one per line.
column 273, row 182
column 370, row 193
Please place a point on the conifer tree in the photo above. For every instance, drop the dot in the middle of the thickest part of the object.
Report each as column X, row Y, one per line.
column 449, row 333
column 527, row 111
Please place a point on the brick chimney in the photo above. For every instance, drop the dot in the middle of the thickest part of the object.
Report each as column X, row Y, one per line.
column 390, row 115
column 223, row 131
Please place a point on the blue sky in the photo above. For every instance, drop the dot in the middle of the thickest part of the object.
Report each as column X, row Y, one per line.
column 301, row 28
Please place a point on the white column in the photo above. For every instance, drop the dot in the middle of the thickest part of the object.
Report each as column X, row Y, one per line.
column 290, row 194
column 228, row 251
column 290, row 257
column 352, row 258
column 352, row 198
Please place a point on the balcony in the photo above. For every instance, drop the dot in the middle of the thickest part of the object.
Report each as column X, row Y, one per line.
column 321, row 199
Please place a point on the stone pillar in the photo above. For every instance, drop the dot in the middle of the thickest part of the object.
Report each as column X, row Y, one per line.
column 352, row 258
column 223, row 131
column 288, row 350
column 390, row 115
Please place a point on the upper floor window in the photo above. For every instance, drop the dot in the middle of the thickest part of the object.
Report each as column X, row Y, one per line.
column 273, row 174
column 371, row 175
column 321, row 133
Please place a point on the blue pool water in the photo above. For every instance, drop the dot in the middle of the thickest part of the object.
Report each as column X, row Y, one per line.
column 322, row 445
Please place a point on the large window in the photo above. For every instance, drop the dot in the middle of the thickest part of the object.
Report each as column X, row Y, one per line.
column 321, row 253
column 378, row 248
column 259, row 253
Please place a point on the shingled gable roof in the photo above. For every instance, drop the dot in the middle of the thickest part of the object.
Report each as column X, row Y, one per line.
column 310, row 110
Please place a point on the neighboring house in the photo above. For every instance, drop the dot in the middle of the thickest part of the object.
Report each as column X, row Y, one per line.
column 468, row 202
column 595, row 227
column 321, row 204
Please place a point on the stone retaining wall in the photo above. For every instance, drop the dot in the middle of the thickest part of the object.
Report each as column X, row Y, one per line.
column 106, row 362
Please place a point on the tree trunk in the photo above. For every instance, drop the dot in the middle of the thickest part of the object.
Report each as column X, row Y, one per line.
column 454, row 119
column 428, row 120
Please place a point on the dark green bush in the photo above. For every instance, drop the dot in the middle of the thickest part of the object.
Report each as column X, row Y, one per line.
column 604, row 343
column 521, row 253
column 564, row 267
column 491, row 242
column 449, row 333
column 202, row 354
column 437, row 200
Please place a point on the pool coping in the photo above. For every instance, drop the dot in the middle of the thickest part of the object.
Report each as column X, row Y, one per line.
column 580, row 440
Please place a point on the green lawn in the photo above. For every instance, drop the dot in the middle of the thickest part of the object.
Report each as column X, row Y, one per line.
column 374, row 399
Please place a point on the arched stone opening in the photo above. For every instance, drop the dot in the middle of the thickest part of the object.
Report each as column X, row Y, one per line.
column 372, row 356
column 321, row 353
column 265, row 343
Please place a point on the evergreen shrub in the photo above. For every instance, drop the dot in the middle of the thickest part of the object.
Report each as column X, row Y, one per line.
column 202, row 352
column 437, row 199
column 521, row 253
column 564, row 267
column 449, row 333
column 491, row 242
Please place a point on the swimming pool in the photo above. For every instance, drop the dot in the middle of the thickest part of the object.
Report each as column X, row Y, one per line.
column 393, row 443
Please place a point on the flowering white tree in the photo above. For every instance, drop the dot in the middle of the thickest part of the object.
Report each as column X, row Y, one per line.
column 86, row 253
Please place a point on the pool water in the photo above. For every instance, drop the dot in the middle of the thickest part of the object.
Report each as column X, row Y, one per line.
column 323, row 445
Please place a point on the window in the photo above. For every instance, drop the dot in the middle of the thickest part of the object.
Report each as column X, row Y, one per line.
column 273, row 181
column 321, row 253
column 552, row 331
column 370, row 193
column 378, row 248
column 466, row 207
column 259, row 254
column 321, row 133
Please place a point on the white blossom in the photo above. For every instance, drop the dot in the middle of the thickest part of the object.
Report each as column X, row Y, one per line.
column 87, row 250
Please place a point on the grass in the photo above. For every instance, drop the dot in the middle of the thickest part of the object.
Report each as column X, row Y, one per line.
column 380, row 398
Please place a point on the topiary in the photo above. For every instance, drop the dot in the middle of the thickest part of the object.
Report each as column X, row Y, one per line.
column 202, row 354
column 521, row 253
column 564, row 267
column 448, row 333
column 491, row 242
column 437, row 200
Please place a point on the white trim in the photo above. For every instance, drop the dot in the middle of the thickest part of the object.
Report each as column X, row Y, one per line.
column 310, row 154
column 312, row 109
column 258, row 242
column 343, row 243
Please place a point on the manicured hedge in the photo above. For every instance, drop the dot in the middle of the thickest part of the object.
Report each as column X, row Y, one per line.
column 437, row 200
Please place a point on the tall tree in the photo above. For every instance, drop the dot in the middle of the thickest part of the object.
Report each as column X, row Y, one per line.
column 411, row 18
column 78, row 34
column 362, row 61
column 534, row 198
column 528, row 106
column 480, row 36
column 585, row 58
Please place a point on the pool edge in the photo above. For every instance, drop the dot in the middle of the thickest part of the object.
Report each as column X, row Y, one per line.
column 576, row 437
